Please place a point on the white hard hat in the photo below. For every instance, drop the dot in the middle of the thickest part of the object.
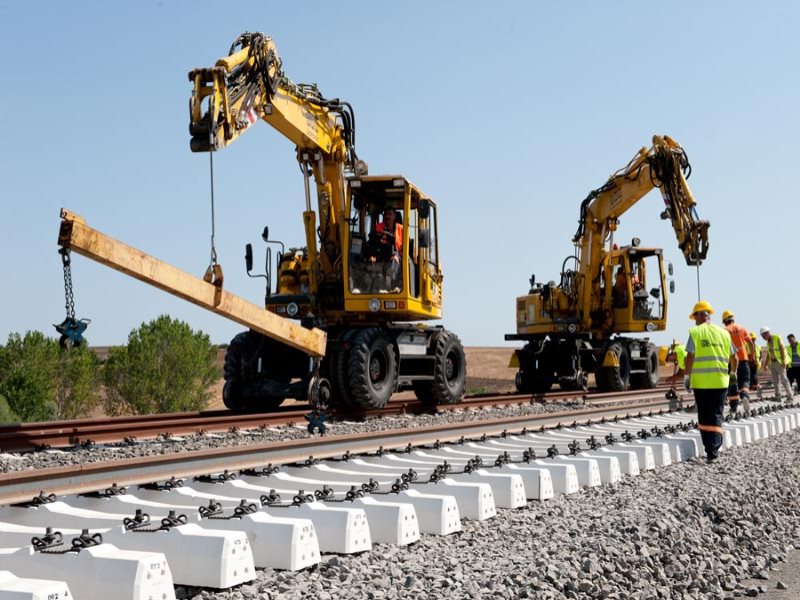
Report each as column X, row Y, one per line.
column 764, row 330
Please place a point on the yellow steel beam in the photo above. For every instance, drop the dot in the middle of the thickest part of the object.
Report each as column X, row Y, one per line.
column 76, row 235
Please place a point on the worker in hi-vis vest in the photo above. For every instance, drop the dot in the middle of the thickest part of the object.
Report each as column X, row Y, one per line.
column 710, row 366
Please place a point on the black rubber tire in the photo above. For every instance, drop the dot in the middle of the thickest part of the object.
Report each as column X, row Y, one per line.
column 616, row 378
column 449, row 371
column 372, row 368
column 649, row 380
column 235, row 394
column 339, row 362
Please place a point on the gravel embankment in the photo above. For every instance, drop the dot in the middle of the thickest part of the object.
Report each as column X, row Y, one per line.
column 691, row 530
column 78, row 456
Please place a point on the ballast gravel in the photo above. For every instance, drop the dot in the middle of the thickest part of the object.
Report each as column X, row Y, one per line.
column 80, row 455
column 691, row 530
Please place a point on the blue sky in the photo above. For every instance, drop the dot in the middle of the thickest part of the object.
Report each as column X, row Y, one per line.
column 506, row 113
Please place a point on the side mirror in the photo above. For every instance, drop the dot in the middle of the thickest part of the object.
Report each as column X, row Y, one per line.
column 248, row 256
column 671, row 287
column 655, row 293
column 669, row 268
column 424, row 209
column 425, row 238
column 265, row 234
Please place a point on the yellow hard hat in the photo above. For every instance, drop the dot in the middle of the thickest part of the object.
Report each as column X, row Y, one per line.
column 701, row 306
column 727, row 315
column 752, row 335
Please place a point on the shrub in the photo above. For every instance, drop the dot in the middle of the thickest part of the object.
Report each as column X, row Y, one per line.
column 40, row 381
column 166, row 367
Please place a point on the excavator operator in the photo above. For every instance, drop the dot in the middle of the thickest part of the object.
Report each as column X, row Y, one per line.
column 381, row 270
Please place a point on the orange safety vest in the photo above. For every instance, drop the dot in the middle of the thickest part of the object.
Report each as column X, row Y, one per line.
column 398, row 235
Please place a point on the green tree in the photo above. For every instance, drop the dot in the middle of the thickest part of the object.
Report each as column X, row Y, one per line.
column 40, row 381
column 6, row 414
column 27, row 367
column 166, row 367
column 77, row 383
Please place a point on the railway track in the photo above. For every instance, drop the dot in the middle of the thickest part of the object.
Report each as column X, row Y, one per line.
column 59, row 434
column 225, row 507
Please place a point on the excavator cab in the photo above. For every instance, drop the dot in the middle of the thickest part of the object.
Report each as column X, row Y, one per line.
column 637, row 282
column 392, row 261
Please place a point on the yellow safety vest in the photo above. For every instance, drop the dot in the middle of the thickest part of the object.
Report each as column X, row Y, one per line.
column 680, row 355
column 758, row 353
column 774, row 349
column 712, row 352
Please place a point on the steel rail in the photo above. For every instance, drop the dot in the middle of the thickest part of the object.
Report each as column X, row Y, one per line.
column 33, row 436
column 22, row 486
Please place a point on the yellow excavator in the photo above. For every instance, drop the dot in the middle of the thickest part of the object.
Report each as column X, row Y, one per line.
column 370, row 269
column 574, row 328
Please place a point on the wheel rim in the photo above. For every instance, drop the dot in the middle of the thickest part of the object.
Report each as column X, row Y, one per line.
column 452, row 367
column 377, row 369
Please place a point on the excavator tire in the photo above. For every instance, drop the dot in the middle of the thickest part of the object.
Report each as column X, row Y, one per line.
column 648, row 380
column 615, row 379
column 339, row 362
column 449, row 371
column 235, row 395
column 372, row 368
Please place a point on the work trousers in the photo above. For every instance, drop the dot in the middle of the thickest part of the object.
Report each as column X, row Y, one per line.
column 710, row 405
column 793, row 375
column 779, row 381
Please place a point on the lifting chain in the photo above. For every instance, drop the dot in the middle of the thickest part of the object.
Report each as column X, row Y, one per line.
column 71, row 329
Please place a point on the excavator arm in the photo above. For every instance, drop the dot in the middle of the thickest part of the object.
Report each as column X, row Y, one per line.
column 248, row 85
column 664, row 166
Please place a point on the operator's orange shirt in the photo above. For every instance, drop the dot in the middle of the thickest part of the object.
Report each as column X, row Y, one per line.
column 740, row 337
column 398, row 234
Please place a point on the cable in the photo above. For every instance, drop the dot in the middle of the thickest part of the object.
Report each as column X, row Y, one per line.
column 213, row 229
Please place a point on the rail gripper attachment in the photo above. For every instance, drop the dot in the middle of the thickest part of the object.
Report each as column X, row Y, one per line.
column 262, row 472
column 50, row 539
column 212, row 511
column 223, row 477
column 271, row 499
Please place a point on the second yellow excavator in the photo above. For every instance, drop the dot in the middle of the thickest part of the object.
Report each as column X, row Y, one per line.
column 573, row 328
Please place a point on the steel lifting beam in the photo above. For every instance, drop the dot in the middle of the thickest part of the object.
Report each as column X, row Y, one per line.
column 76, row 235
